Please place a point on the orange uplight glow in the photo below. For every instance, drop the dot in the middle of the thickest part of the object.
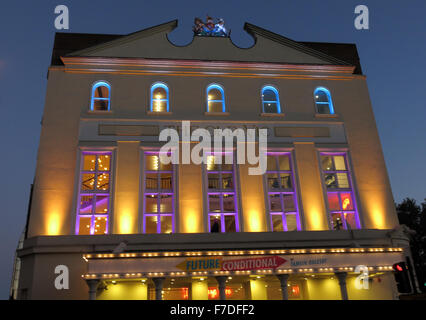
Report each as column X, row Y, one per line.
column 185, row 293
column 126, row 224
column 214, row 292
column 295, row 290
column 53, row 224
column 254, row 222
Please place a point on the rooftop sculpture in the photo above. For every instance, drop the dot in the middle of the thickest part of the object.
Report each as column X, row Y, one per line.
column 209, row 28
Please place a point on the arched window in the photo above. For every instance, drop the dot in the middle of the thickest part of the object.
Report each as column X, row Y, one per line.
column 270, row 100
column 215, row 98
column 101, row 96
column 323, row 101
column 159, row 98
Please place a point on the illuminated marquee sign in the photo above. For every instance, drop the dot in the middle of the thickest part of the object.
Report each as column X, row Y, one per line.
column 212, row 264
column 218, row 263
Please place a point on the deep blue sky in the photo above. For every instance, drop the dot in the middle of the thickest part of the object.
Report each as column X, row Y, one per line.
column 392, row 51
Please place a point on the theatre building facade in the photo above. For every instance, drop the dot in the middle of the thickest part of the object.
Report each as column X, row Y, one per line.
column 108, row 219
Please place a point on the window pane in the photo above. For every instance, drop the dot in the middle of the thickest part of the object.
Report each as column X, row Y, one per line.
column 165, row 167
column 286, row 181
column 339, row 162
column 347, row 203
column 271, row 163
column 284, row 162
column 289, row 205
column 330, row 181
column 275, row 202
column 150, row 224
column 215, row 224
column 336, row 220
column 214, row 203
column 101, row 92
column 323, row 108
column 100, row 105
column 86, row 204
column 277, row 222
column 230, row 223
column 228, row 203
column 89, row 162
column 159, row 105
column 166, row 224
column 214, row 94
column 225, row 165
column 269, row 95
column 211, row 163
column 100, row 225
column 333, row 201
column 350, row 220
column 159, row 93
column 151, row 203
column 84, row 225
column 152, row 162
column 166, row 181
column 213, row 179
column 273, row 181
column 88, row 181
column 151, row 181
column 270, row 107
column 101, row 205
column 291, row 222
column 342, row 180
column 166, row 203
column 215, row 107
column 227, row 182
column 327, row 163
column 104, row 163
column 102, row 181
column 321, row 96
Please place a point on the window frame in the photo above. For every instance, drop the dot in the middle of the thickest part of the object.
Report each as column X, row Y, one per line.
column 222, row 91
column 151, row 98
column 329, row 101
column 282, row 191
column 277, row 101
column 78, row 191
column 351, row 189
column 235, row 191
column 97, row 84
column 159, row 191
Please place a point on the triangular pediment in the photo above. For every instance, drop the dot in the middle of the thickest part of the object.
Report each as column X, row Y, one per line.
column 153, row 43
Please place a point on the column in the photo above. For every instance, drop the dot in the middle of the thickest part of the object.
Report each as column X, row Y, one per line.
column 342, row 283
column 127, row 180
column 158, row 288
column 283, row 280
column 93, row 286
column 221, row 281
column 311, row 192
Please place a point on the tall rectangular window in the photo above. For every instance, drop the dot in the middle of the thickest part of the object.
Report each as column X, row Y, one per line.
column 281, row 192
column 94, row 193
column 222, row 204
column 340, row 197
column 158, row 208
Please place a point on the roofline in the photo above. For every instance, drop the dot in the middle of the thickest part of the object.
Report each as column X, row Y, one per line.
column 167, row 26
column 253, row 30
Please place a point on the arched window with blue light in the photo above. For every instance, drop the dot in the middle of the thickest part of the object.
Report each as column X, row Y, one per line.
column 215, row 98
column 159, row 98
column 323, row 101
column 101, row 96
column 270, row 100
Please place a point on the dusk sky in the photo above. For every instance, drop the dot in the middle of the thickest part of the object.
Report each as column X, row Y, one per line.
column 392, row 52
